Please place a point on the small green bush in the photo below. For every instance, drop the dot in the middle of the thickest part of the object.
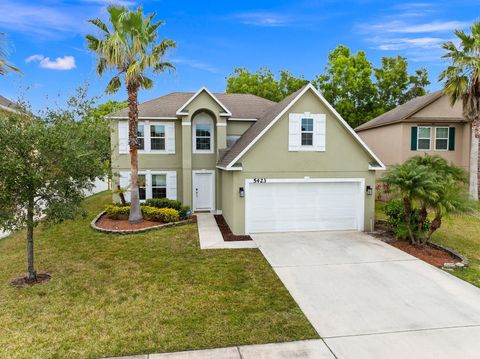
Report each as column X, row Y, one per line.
column 165, row 215
column 117, row 212
column 164, row 203
column 396, row 218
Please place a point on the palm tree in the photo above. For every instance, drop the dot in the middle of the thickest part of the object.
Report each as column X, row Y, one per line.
column 130, row 48
column 462, row 83
column 5, row 67
column 411, row 182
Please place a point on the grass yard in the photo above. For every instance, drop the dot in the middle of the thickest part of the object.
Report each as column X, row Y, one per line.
column 113, row 295
column 461, row 233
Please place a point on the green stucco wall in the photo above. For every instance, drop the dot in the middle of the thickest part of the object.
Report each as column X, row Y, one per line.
column 269, row 158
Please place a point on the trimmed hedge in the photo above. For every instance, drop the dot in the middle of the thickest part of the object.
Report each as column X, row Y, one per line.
column 164, row 203
column 164, row 215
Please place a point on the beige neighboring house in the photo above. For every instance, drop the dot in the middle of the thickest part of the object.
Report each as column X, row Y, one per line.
column 424, row 125
column 295, row 165
column 6, row 104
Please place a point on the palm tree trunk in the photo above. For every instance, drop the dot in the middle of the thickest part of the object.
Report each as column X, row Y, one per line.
column 31, row 273
column 473, row 189
column 407, row 205
column 135, row 215
column 436, row 223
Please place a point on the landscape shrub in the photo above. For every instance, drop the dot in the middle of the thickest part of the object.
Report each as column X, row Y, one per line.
column 185, row 212
column 117, row 212
column 165, row 215
column 164, row 203
column 395, row 212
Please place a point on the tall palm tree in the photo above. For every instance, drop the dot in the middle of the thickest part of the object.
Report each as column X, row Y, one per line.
column 462, row 83
column 5, row 67
column 130, row 48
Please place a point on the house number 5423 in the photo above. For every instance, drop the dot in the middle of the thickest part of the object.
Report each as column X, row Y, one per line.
column 259, row 180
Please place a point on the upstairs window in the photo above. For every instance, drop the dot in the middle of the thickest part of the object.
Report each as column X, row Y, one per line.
column 441, row 138
column 141, row 137
column 157, row 137
column 307, row 132
column 202, row 132
column 424, row 138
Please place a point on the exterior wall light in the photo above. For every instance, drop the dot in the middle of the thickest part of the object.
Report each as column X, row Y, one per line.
column 369, row 190
column 241, row 192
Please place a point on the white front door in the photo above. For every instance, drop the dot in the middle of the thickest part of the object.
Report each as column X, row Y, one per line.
column 203, row 190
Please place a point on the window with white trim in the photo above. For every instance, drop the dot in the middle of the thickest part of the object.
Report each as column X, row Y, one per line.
column 202, row 133
column 157, row 137
column 307, row 132
column 142, row 187
column 159, row 186
column 141, row 137
column 424, row 138
column 441, row 138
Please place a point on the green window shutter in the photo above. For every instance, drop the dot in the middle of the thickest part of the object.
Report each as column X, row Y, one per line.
column 451, row 139
column 413, row 145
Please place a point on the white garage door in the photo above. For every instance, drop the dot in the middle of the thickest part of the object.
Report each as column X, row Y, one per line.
column 277, row 206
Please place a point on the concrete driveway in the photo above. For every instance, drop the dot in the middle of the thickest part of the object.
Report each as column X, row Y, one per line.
column 369, row 300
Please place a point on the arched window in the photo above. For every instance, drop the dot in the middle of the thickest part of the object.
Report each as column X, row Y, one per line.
column 202, row 133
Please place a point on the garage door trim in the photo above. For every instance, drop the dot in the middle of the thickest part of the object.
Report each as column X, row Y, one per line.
column 361, row 181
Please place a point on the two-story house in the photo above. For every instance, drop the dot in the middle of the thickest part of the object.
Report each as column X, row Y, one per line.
column 295, row 165
column 424, row 125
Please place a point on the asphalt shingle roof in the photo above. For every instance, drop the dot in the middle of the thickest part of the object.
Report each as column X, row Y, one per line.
column 401, row 112
column 240, row 105
column 7, row 103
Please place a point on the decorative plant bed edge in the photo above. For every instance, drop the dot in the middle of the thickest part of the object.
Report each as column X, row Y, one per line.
column 93, row 224
column 447, row 265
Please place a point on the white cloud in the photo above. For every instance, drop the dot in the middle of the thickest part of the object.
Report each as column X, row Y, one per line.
column 402, row 43
column 267, row 19
column 60, row 63
column 196, row 65
column 403, row 27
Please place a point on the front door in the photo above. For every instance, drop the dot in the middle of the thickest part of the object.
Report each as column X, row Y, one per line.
column 203, row 190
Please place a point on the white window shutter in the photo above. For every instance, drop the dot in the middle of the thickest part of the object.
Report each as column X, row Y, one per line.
column 146, row 133
column 319, row 131
column 124, row 182
column 148, row 184
column 172, row 185
column 122, row 136
column 294, row 132
column 170, row 137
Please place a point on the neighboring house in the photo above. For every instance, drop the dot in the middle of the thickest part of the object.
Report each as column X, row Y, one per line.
column 426, row 124
column 6, row 104
column 295, row 165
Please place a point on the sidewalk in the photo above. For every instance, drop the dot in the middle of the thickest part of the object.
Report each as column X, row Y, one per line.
column 211, row 238
column 305, row 349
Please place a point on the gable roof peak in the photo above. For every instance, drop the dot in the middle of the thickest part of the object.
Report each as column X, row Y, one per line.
column 181, row 111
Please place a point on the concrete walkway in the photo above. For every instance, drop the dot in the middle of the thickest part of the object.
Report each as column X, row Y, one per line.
column 210, row 236
column 369, row 300
column 306, row 349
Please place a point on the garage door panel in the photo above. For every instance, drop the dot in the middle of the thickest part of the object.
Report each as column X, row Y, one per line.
column 303, row 206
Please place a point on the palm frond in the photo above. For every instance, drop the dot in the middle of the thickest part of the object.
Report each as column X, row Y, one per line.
column 113, row 85
column 100, row 24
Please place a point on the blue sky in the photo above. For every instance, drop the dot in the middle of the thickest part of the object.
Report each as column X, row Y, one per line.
column 47, row 39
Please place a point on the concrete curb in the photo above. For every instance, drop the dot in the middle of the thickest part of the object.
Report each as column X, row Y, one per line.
column 133, row 231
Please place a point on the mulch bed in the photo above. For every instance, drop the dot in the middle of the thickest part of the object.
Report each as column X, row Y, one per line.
column 427, row 253
column 123, row 224
column 24, row 282
column 434, row 256
column 227, row 234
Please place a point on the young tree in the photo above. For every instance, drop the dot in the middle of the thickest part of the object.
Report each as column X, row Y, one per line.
column 47, row 163
column 5, row 67
column 348, row 86
column 263, row 83
column 395, row 85
column 462, row 83
column 130, row 47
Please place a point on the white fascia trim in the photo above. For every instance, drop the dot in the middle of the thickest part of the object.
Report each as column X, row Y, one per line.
column 376, row 168
column 230, row 169
column 144, row 118
column 220, row 124
column 330, row 107
column 180, row 111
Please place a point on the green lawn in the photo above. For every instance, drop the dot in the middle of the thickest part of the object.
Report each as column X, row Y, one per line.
column 461, row 233
column 113, row 295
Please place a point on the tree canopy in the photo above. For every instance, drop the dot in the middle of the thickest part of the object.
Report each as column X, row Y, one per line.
column 350, row 82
